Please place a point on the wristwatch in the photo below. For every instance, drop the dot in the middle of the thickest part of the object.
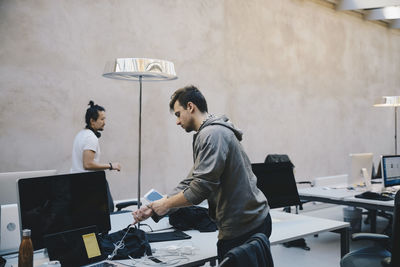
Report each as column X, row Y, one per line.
column 110, row 166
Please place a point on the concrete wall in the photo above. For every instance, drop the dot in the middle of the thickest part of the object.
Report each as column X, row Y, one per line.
column 298, row 77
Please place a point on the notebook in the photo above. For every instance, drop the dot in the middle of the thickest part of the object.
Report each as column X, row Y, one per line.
column 77, row 247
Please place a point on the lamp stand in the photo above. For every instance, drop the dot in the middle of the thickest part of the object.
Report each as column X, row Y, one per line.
column 140, row 69
column 140, row 142
column 395, row 130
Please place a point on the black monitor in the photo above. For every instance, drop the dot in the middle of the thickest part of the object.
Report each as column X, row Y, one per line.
column 276, row 180
column 390, row 170
column 60, row 203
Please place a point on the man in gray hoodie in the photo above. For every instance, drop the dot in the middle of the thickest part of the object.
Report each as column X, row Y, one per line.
column 221, row 174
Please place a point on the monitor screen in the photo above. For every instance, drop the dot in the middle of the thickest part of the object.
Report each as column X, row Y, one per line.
column 390, row 170
column 8, row 184
column 277, row 182
column 360, row 166
column 60, row 203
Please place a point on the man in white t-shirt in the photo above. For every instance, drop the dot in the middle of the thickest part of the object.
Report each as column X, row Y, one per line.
column 86, row 148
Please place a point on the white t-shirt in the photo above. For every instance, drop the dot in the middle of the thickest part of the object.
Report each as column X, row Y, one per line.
column 84, row 140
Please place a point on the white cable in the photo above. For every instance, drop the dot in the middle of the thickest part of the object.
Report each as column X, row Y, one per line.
column 184, row 248
column 119, row 245
column 178, row 252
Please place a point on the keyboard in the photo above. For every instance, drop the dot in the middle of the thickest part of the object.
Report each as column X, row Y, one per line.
column 374, row 196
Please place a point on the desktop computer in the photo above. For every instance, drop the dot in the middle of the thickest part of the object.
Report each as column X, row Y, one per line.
column 360, row 170
column 59, row 203
column 390, row 170
column 9, row 229
column 10, row 237
column 8, row 182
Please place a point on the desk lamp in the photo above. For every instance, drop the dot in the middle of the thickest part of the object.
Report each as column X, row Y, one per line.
column 140, row 69
column 391, row 101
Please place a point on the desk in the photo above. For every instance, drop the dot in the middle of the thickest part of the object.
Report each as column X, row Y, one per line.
column 346, row 197
column 285, row 227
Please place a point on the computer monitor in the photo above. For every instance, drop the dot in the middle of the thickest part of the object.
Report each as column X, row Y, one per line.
column 8, row 184
column 276, row 180
column 9, row 219
column 390, row 170
column 60, row 203
column 360, row 169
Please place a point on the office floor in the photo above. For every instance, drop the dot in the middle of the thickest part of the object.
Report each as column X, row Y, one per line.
column 324, row 249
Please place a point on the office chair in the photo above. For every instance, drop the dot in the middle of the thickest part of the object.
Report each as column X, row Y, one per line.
column 377, row 175
column 125, row 204
column 255, row 252
column 275, row 178
column 280, row 158
column 378, row 254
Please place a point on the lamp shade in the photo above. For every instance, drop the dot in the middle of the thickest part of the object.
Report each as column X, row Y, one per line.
column 388, row 101
column 145, row 69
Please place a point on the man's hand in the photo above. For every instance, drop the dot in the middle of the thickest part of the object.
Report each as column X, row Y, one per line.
column 142, row 214
column 116, row 166
column 160, row 206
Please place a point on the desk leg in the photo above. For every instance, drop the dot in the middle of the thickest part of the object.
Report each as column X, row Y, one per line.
column 373, row 220
column 344, row 240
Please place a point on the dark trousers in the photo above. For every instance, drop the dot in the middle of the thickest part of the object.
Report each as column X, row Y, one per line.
column 224, row 246
column 110, row 199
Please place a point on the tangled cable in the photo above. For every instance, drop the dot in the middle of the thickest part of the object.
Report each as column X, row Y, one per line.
column 119, row 245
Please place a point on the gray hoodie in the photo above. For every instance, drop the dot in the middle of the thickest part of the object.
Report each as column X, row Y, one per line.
column 222, row 174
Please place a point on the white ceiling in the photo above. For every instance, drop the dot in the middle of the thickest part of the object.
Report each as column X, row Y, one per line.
column 387, row 11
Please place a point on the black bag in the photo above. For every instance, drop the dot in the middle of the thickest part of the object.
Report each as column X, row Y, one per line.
column 135, row 243
column 192, row 218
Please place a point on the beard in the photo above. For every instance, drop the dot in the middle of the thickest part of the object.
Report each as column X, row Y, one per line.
column 188, row 130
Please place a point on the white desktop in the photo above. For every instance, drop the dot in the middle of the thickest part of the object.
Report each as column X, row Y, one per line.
column 8, row 182
column 360, row 170
column 9, row 229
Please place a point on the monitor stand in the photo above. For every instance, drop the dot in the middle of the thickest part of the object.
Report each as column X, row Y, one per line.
column 367, row 179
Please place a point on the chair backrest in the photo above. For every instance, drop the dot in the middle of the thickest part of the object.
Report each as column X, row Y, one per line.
column 274, row 158
column 255, row 252
column 276, row 180
column 395, row 261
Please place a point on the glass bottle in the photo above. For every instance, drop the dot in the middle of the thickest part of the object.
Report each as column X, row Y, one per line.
column 25, row 255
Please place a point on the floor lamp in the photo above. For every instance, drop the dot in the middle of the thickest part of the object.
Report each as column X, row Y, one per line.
column 140, row 69
column 391, row 101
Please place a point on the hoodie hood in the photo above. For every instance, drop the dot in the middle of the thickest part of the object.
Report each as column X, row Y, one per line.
column 224, row 121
